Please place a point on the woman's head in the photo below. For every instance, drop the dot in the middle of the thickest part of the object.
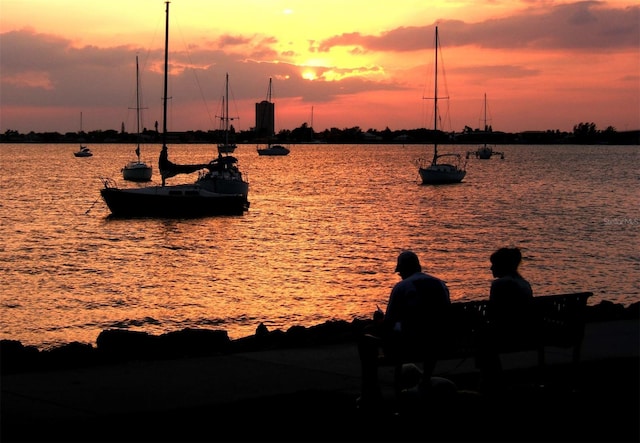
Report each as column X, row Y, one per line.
column 505, row 261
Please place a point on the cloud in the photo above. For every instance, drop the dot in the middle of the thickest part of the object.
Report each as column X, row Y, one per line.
column 588, row 26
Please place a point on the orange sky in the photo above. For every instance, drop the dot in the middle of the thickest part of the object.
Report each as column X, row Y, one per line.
column 367, row 63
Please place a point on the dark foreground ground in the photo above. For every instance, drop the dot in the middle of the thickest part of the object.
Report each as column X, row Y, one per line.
column 599, row 402
column 308, row 393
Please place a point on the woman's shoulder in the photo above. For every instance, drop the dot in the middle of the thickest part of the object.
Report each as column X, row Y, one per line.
column 511, row 285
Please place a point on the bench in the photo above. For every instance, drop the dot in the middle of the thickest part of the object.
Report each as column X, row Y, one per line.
column 557, row 321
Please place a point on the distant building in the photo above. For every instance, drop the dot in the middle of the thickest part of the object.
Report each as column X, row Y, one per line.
column 265, row 118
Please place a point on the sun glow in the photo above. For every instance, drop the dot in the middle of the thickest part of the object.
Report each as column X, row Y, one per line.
column 309, row 75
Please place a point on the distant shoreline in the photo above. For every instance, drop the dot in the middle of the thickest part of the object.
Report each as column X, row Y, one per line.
column 339, row 136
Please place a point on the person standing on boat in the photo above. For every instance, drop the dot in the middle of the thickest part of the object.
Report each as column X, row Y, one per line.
column 509, row 315
column 164, row 163
column 415, row 319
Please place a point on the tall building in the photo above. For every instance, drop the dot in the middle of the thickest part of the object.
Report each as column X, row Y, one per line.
column 265, row 118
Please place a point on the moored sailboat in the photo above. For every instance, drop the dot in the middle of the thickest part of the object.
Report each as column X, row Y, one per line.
column 434, row 172
column 486, row 151
column 137, row 170
column 83, row 151
column 227, row 146
column 220, row 191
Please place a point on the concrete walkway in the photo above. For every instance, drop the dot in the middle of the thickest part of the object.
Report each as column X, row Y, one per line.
column 153, row 391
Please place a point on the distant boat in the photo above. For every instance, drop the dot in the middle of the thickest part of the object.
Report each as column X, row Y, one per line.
column 269, row 120
column 485, row 152
column 432, row 172
column 83, row 151
column 137, row 170
column 227, row 147
column 220, row 191
column 274, row 150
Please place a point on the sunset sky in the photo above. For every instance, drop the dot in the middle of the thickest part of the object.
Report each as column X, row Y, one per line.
column 542, row 64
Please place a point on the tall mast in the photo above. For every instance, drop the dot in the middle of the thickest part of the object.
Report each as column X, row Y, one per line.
column 485, row 112
column 485, row 119
column 435, row 104
column 166, row 76
column 226, row 111
column 137, row 109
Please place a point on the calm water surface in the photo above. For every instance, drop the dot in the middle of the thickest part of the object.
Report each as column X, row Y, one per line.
column 318, row 243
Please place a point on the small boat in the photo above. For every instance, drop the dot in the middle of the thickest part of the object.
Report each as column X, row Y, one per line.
column 83, row 151
column 226, row 147
column 266, row 117
column 137, row 170
column 485, row 152
column 433, row 172
column 221, row 190
column 273, row 150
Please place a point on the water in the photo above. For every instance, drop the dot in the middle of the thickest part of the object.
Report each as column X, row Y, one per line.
column 319, row 242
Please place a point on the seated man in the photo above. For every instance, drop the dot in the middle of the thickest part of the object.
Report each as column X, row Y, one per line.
column 412, row 328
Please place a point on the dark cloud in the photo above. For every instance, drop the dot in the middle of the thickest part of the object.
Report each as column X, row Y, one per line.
column 589, row 26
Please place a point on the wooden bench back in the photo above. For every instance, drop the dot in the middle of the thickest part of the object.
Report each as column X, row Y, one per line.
column 558, row 320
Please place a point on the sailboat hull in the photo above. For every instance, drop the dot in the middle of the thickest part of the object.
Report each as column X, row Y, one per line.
column 227, row 148
column 274, row 150
column 83, row 152
column 441, row 174
column 181, row 201
column 484, row 153
column 137, row 172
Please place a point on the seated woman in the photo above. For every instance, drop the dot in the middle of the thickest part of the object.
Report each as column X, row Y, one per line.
column 509, row 314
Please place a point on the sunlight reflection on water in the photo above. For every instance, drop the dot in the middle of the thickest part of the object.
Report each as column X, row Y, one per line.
column 318, row 243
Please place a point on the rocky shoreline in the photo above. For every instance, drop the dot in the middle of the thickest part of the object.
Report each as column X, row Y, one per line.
column 117, row 345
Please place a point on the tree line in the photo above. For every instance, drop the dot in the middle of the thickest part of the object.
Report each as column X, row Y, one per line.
column 583, row 133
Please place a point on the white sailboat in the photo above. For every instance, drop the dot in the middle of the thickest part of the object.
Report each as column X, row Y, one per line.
column 226, row 147
column 221, row 190
column 268, row 119
column 434, row 172
column 137, row 170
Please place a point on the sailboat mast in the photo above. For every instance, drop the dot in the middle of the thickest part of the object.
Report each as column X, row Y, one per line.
column 137, row 109
column 226, row 111
column 485, row 119
column 485, row 111
column 435, row 104
column 166, row 77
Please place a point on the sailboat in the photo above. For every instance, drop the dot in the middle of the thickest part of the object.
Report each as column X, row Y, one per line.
column 226, row 147
column 137, row 170
column 83, row 151
column 434, row 172
column 266, row 113
column 221, row 190
column 485, row 152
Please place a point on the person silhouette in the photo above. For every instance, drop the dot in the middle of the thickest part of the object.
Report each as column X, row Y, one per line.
column 412, row 325
column 510, row 316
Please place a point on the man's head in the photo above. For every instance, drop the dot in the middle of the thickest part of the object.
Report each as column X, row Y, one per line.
column 408, row 264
